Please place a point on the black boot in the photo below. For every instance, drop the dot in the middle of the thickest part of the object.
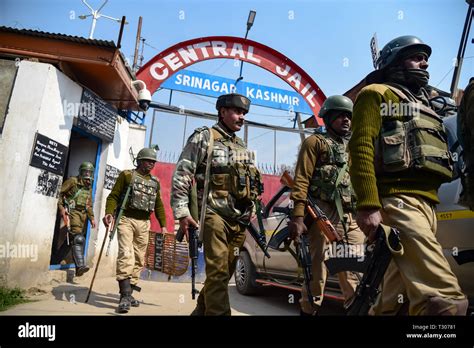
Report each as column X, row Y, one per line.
column 78, row 254
column 125, row 296
column 133, row 301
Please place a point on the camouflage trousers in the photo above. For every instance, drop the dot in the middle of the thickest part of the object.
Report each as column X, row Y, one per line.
column 132, row 235
column 222, row 240
column 318, row 245
column 420, row 279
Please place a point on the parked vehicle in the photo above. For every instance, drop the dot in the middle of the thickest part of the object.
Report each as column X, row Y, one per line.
column 455, row 233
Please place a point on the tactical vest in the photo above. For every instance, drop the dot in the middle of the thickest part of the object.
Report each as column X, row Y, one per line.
column 143, row 193
column 331, row 180
column 235, row 181
column 417, row 142
column 79, row 196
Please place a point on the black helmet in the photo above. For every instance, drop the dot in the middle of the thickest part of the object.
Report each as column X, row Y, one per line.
column 233, row 100
column 335, row 103
column 400, row 47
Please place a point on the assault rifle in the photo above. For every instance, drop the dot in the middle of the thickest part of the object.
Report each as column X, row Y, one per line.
column 302, row 250
column 377, row 260
column 193, row 242
column 259, row 238
column 304, row 257
column 315, row 213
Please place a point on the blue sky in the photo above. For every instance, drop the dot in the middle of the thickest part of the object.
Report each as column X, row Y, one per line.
column 328, row 39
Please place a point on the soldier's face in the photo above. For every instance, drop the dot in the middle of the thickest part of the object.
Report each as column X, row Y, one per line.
column 416, row 61
column 146, row 166
column 233, row 118
column 342, row 123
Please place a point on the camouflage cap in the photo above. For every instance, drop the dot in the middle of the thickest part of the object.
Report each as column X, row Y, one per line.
column 233, row 100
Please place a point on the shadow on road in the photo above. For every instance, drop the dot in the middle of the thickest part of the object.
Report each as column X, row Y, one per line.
column 272, row 300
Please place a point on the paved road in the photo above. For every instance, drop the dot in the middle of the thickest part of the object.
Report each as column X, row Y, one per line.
column 157, row 298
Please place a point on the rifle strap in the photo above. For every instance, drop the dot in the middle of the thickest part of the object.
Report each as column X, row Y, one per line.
column 206, row 184
column 259, row 216
column 338, row 200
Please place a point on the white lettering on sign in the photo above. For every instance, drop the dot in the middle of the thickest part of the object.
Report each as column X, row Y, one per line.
column 162, row 75
column 296, row 80
column 218, row 48
column 271, row 96
column 283, row 72
column 173, row 61
column 202, row 46
column 309, row 98
column 188, row 55
column 237, row 50
column 251, row 57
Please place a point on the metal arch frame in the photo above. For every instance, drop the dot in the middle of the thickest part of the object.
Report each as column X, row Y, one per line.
column 268, row 56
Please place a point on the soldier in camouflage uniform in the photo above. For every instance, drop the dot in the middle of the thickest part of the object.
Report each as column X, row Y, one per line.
column 134, row 225
column 322, row 171
column 233, row 184
column 75, row 206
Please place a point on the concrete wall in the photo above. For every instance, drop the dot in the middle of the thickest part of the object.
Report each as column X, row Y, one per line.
column 27, row 216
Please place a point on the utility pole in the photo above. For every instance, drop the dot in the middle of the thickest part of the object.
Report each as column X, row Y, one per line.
column 462, row 48
column 137, row 44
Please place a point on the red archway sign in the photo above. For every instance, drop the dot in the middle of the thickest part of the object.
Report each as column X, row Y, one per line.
column 190, row 52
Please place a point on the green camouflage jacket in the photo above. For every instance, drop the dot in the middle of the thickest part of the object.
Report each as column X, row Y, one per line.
column 191, row 166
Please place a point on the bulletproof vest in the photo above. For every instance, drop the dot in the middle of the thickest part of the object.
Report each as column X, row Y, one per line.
column 331, row 178
column 416, row 140
column 234, row 181
column 79, row 196
column 143, row 193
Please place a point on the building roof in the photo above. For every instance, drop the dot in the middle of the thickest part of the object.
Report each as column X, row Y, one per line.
column 96, row 64
column 57, row 36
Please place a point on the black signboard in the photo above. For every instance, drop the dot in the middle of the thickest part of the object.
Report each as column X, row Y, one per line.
column 111, row 175
column 48, row 154
column 97, row 116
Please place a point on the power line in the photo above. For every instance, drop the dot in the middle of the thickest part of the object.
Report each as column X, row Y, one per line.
column 147, row 44
column 444, row 76
column 261, row 135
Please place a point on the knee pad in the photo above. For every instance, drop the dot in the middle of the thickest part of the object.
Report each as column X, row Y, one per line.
column 78, row 239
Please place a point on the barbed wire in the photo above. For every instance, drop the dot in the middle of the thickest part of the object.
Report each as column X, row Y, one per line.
column 165, row 156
